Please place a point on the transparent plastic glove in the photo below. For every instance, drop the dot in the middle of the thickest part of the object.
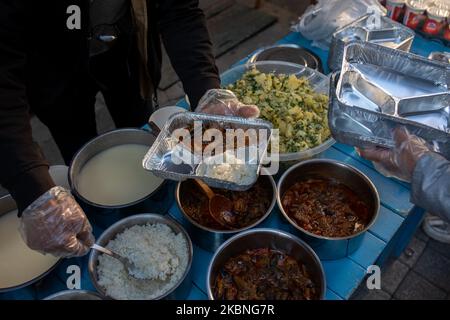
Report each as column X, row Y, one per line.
column 400, row 161
column 56, row 224
column 224, row 102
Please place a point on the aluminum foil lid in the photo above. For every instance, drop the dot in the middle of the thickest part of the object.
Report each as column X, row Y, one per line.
column 440, row 56
column 438, row 12
column 178, row 159
column 418, row 4
column 379, row 89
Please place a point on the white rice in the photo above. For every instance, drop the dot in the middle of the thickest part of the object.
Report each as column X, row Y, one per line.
column 160, row 255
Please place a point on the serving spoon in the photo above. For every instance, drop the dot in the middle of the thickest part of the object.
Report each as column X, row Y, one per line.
column 127, row 263
column 220, row 207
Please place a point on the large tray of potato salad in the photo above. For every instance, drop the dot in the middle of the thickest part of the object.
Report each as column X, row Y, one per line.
column 293, row 97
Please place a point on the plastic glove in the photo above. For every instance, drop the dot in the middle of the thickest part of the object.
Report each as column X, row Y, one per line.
column 400, row 161
column 224, row 102
column 56, row 224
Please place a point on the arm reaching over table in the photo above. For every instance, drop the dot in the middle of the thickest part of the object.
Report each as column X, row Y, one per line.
column 411, row 160
column 188, row 45
column 21, row 161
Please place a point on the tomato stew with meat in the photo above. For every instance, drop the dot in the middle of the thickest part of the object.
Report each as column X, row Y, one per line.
column 326, row 208
column 264, row 274
column 248, row 206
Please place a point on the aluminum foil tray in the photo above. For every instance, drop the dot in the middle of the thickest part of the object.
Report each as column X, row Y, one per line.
column 440, row 56
column 389, row 34
column 159, row 158
column 379, row 88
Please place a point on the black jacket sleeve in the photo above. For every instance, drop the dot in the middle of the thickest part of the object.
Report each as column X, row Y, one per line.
column 23, row 170
column 186, row 39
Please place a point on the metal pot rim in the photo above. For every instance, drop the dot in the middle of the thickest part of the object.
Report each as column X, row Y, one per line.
column 233, row 231
column 165, row 220
column 64, row 292
column 8, row 198
column 341, row 164
column 99, row 137
column 276, row 232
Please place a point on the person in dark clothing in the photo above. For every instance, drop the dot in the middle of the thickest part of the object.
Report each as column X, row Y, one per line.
column 46, row 69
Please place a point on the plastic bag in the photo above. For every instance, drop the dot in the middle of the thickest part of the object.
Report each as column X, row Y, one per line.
column 224, row 102
column 55, row 223
column 320, row 21
column 400, row 161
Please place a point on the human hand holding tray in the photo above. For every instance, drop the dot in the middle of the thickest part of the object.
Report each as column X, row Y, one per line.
column 380, row 88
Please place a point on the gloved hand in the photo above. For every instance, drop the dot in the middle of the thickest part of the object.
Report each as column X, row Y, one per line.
column 224, row 102
column 400, row 161
column 56, row 224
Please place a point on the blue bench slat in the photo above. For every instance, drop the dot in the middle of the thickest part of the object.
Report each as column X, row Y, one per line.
column 371, row 248
column 200, row 266
column 386, row 224
column 343, row 276
column 392, row 194
column 196, row 294
column 330, row 295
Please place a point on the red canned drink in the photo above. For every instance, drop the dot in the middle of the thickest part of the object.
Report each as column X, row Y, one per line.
column 414, row 13
column 395, row 9
column 435, row 20
column 447, row 32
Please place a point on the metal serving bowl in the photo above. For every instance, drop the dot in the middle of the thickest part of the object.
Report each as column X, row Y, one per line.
column 318, row 81
column 156, row 201
column 7, row 204
column 331, row 248
column 211, row 239
column 181, row 289
column 74, row 295
column 267, row 238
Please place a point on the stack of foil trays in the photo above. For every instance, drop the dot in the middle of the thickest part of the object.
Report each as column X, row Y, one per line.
column 168, row 158
column 380, row 30
column 379, row 89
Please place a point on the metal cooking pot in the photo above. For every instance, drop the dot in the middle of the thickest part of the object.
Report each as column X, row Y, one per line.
column 181, row 289
column 157, row 201
column 331, row 248
column 210, row 239
column 267, row 238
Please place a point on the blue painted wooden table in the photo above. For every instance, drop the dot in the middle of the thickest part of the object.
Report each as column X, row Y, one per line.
column 397, row 222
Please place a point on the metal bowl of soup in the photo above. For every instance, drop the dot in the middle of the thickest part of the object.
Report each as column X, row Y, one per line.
column 107, row 177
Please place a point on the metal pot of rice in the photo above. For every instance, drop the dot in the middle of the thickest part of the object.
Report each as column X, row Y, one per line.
column 158, row 246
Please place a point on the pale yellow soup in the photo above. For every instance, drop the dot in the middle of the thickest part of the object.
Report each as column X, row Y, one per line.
column 116, row 177
column 18, row 263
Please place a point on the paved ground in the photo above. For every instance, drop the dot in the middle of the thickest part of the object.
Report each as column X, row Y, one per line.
column 423, row 270
column 421, row 273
